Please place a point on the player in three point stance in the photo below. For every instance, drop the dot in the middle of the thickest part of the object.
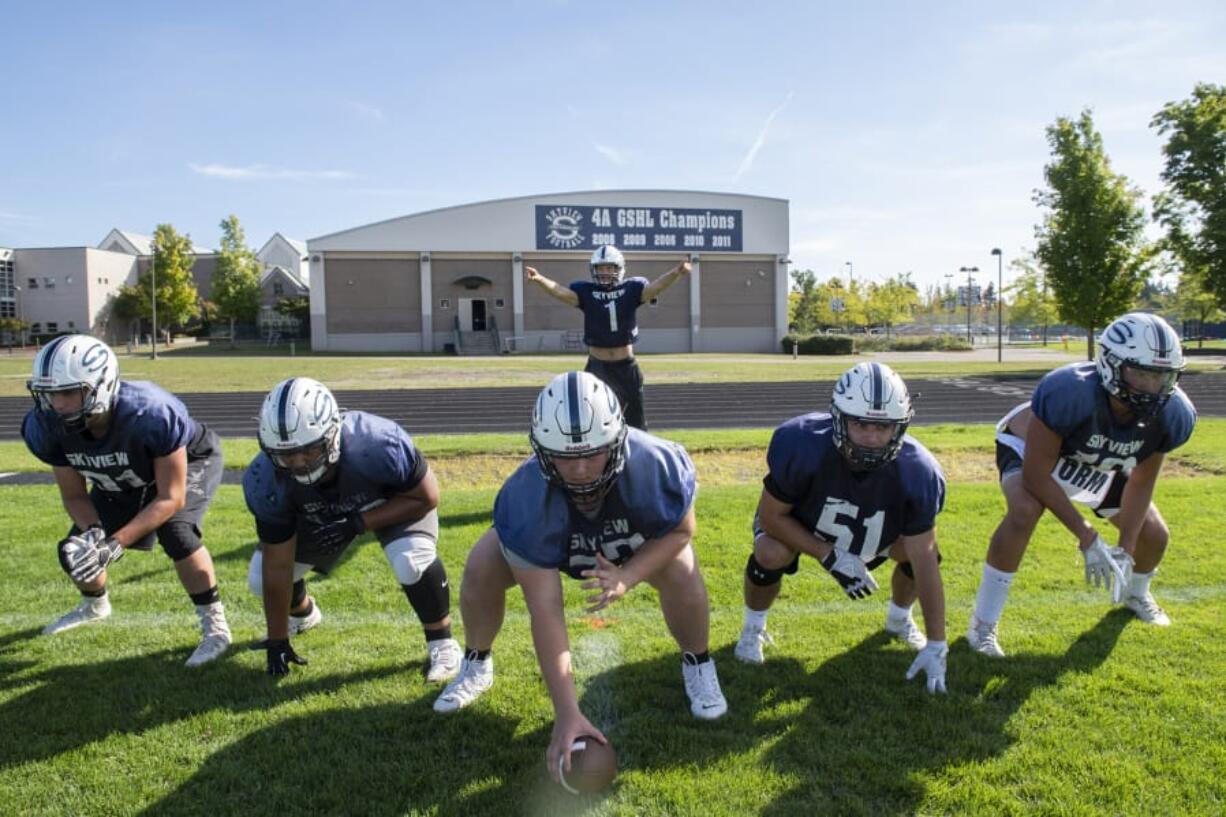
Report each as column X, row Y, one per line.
column 610, row 327
column 851, row 488
column 1095, row 434
column 153, row 468
column 321, row 480
column 597, row 501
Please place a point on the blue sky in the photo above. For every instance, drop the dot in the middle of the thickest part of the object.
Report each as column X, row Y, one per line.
column 907, row 136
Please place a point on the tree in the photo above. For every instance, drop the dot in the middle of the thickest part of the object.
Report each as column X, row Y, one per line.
column 177, row 299
column 1032, row 304
column 1090, row 241
column 802, row 304
column 1196, row 302
column 297, row 308
column 14, row 327
column 891, row 302
column 1193, row 207
column 236, row 281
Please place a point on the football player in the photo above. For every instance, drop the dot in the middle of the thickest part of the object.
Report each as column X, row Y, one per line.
column 321, row 480
column 851, row 488
column 1093, row 433
column 152, row 468
column 610, row 326
column 600, row 502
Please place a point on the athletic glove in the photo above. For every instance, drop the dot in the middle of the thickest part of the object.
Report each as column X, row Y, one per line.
column 1101, row 569
column 850, row 573
column 1125, row 564
column 280, row 656
column 334, row 534
column 931, row 661
column 85, row 555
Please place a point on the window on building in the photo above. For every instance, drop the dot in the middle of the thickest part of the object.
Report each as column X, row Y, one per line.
column 31, row 283
column 500, row 303
column 48, row 282
column 8, row 309
column 278, row 288
column 444, row 303
column 36, row 328
column 52, row 327
column 72, row 325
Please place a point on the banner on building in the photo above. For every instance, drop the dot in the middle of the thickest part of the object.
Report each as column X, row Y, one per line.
column 645, row 229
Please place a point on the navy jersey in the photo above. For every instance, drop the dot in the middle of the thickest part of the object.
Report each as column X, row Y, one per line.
column 609, row 315
column 1072, row 402
column 862, row 512
column 537, row 522
column 378, row 459
column 146, row 422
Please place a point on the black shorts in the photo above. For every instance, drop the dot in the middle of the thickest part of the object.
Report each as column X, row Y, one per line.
column 626, row 379
column 1008, row 461
column 181, row 535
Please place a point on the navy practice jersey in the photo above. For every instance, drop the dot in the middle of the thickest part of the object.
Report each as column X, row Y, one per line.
column 1072, row 402
column 146, row 422
column 862, row 512
column 537, row 522
column 609, row 317
column 378, row 459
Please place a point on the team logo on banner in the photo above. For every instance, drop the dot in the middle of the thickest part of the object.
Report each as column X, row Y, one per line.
column 563, row 227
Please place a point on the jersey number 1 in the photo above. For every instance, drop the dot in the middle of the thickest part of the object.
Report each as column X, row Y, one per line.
column 612, row 307
column 842, row 536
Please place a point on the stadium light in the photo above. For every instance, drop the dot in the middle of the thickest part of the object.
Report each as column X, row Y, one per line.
column 1000, row 283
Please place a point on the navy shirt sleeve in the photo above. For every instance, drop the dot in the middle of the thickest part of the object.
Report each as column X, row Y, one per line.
column 661, row 487
column 1179, row 417
column 924, row 487
column 41, row 442
column 530, row 520
column 787, row 480
column 1060, row 400
column 268, row 500
column 403, row 466
column 167, row 427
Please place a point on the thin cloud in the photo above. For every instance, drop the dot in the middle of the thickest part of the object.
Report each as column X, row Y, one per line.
column 369, row 111
column 747, row 162
column 614, row 155
column 267, row 172
column 14, row 217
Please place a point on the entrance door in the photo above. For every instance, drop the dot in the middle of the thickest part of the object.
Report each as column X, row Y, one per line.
column 472, row 314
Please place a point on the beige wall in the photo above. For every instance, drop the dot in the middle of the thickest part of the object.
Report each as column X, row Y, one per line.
column 673, row 308
column 443, row 274
column 368, row 295
column 543, row 312
column 67, row 301
column 737, row 293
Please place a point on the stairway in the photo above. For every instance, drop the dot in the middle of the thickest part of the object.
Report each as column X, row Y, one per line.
column 477, row 344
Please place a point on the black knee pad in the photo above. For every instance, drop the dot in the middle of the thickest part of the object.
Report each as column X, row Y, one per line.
column 430, row 595
column 179, row 539
column 909, row 571
column 765, row 577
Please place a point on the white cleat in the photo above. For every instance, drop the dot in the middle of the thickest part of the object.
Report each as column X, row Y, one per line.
column 750, row 646
column 474, row 678
column 1148, row 610
column 300, row 624
column 702, row 686
column 982, row 638
column 216, row 635
column 90, row 611
column 445, row 657
column 907, row 632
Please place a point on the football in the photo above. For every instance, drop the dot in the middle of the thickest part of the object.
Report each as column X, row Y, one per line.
column 593, row 765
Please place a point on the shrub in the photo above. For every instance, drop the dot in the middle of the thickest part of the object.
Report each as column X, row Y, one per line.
column 819, row 344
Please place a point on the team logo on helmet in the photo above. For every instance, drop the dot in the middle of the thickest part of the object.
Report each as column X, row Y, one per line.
column 565, row 227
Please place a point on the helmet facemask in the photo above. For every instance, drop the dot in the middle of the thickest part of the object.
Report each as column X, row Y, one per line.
column 1144, row 404
column 73, row 422
column 862, row 457
column 588, row 493
column 607, row 276
column 322, row 454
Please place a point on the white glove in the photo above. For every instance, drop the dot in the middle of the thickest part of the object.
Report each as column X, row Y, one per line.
column 1101, row 568
column 931, row 660
column 1125, row 564
column 851, row 573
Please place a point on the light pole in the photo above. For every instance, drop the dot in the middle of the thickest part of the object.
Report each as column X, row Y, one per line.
column 20, row 317
column 1000, row 263
column 153, row 280
column 850, row 286
column 969, row 281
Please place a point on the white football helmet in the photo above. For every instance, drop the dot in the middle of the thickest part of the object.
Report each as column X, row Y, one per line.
column 874, row 393
column 1147, row 343
column 607, row 255
column 74, row 362
column 300, row 415
column 578, row 415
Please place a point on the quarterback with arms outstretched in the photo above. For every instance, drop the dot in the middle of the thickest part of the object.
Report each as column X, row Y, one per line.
column 851, row 488
column 610, row 303
column 322, row 479
column 153, row 470
column 1095, row 434
column 599, row 502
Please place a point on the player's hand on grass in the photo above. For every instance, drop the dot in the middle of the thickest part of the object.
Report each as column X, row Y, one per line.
column 280, row 655
column 1101, row 569
column 609, row 580
column 851, row 573
column 931, row 662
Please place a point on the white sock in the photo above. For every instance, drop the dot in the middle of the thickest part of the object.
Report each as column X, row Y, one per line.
column 755, row 619
column 1139, row 586
column 896, row 614
column 993, row 592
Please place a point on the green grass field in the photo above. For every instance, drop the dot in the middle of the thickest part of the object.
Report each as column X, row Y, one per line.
column 1092, row 712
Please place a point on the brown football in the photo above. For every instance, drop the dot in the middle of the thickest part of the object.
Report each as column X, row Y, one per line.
column 593, row 765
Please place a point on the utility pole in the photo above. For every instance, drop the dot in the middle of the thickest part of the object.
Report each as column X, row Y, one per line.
column 969, row 270
column 1000, row 261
